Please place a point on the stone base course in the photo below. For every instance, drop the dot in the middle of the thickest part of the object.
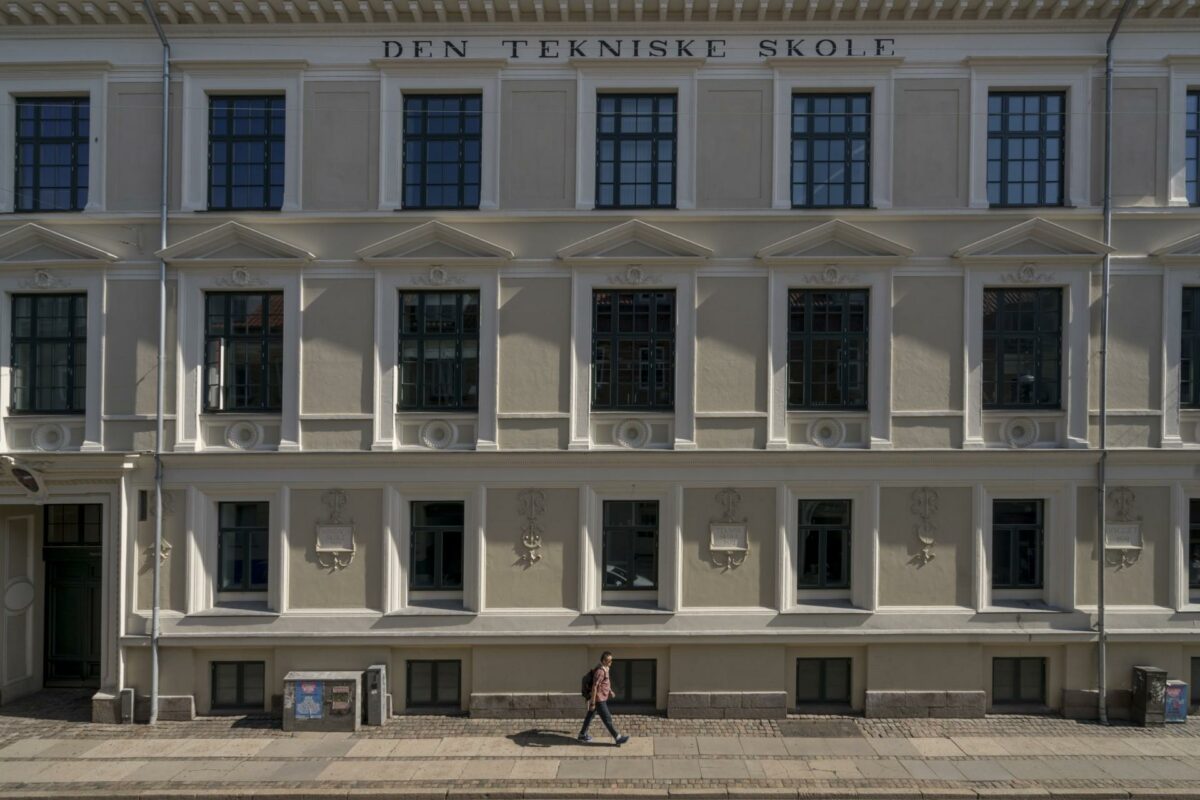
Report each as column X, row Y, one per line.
column 727, row 705
column 910, row 705
column 171, row 708
column 541, row 705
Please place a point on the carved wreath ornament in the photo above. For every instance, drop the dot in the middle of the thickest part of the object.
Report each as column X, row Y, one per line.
column 531, row 504
column 924, row 507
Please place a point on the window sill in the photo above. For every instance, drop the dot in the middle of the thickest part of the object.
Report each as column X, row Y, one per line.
column 1023, row 411
column 629, row 608
column 1016, row 606
column 420, row 606
column 237, row 609
column 230, row 412
column 833, row 605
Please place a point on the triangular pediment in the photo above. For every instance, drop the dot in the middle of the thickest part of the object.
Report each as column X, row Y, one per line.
column 234, row 245
column 634, row 241
column 834, row 241
column 434, row 243
column 1035, row 240
column 1185, row 251
column 32, row 245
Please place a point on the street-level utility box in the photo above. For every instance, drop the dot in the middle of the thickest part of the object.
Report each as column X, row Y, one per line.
column 322, row 701
column 375, row 694
column 1149, row 695
column 1175, row 707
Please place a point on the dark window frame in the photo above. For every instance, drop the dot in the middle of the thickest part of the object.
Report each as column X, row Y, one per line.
column 1194, row 550
column 433, row 703
column 824, row 698
column 1193, row 692
column 1015, row 662
column 268, row 343
column 806, row 338
column 77, row 316
column 273, row 105
column 1189, row 348
column 460, row 337
column 439, row 584
column 79, row 142
column 607, row 370
column 85, row 530
column 1191, row 147
column 804, row 114
column 632, row 533
column 1013, row 556
column 415, row 172
column 1042, row 134
column 617, row 136
column 245, row 535
column 621, row 679
column 241, row 703
column 822, row 531
column 996, row 339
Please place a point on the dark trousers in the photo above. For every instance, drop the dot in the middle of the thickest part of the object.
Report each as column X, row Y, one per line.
column 605, row 717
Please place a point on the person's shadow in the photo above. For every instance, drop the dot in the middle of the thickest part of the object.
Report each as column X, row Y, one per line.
column 537, row 737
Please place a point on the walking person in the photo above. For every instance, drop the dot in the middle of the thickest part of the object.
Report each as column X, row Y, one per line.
column 598, row 697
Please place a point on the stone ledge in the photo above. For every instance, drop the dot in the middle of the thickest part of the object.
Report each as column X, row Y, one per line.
column 727, row 705
column 508, row 705
column 915, row 705
column 171, row 708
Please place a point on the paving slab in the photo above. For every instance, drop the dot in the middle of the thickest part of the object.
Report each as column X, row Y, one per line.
column 719, row 745
column 935, row 748
column 628, row 768
column 581, row 769
column 676, row 769
column 675, row 746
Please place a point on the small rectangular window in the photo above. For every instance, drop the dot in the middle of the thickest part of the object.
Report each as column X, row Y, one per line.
column 822, row 681
column 634, row 681
column 1022, row 348
column 245, row 152
column 1017, row 544
column 633, row 350
column 1194, row 687
column 1018, row 681
column 635, row 151
column 630, row 544
column 1189, row 349
column 434, row 684
column 831, row 150
column 442, row 150
column 1025, row 148
column 243, row 547
column 49, row 353
column 827, row 348
column 52, row 153
column 439, row 351
column 73, row 525
column 1194, row 548
column 437, row 545
column 1192, row 147
column 243, row 351
column 824, row 544
column 238, row 685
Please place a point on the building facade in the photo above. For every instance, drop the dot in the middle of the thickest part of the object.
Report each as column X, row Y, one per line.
column 757, row 343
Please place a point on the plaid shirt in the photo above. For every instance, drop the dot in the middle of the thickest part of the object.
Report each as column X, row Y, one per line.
column 602, row 689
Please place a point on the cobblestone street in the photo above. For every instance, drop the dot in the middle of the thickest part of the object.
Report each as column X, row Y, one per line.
column 48, row 749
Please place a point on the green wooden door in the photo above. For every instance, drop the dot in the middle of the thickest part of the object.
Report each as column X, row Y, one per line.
column 72, row 616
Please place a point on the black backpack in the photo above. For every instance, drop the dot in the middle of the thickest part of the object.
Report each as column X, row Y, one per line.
column 585, row 687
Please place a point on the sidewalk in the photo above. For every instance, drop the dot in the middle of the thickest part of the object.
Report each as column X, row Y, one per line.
column 1002, row 757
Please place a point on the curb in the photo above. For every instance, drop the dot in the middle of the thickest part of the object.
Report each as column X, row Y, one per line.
column 618, row 793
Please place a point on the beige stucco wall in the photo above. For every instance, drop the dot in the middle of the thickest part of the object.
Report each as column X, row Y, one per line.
column 738, row 433
column 336, row 434
column 533, row 434
column 314, row 586
column 341, row 145
column 1145, row 583
column 728, row 668
column 173, row 575
column 1140, row 137
column 731, row 363
column 134, row 152
column 932, row 145
column 534, row 348
column 339, row 345
column 537, row 165
column 131, row 348
column 1134, row 343
column 946, row 579
column 927, row 344
column 751, row 584
column 521, row 669
column 927, row 432
column 733, row 143
column 922, row 668
column 552, row 582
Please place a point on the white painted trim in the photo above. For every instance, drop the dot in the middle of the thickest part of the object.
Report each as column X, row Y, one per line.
column 389, row 282
column 31, row 613
column 1184, row 77
column 393, row 84
column 1058, row 542
column 398, row 500
column 874, row 78
column 202, row 532
column 583, row 282
column 193, row 284
column 593, row 79
column 95, row 86
column 198, row 84
column 1020, row 73
column 1173, row 283
column 670, row 536
column 864, row 544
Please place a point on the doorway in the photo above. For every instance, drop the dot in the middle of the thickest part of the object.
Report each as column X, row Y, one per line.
column 71, row 545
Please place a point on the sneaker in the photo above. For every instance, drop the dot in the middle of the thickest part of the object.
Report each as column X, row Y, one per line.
column 583, row 737
column 622, row 739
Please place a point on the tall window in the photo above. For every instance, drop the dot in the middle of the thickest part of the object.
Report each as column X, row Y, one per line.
column 243, row 547
column 630, row 544
column 635, row 151
column 831, row 144
column 827, row 348
column 439, row 351
column 1193, row 147
column 1017, row 544
column 243, row 351
column 633, row 350
column 442, row 142
column 52, row 153
column 238, row 685
column 49, row 353
column 822, row 681
column 1025, row 148
column 437, row 546
column 1018, row 681
column 1022, row 348
column 1194, row 547
column 1189, row 350
column 245, row 152
column 434, row 684
column 634, row 681
column 824, row 544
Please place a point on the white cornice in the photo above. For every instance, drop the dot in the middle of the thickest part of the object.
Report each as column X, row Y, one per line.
column 406, row 248
column 65, row 251
column 204, row 249
column 664, row 247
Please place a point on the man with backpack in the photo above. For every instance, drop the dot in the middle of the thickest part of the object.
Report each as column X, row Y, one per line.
column 597, row 690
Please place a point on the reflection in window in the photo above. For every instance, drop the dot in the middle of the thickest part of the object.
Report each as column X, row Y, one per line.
column 49, row 353
column 1017, row 549
column 1018, row 681
column 1022, row 348
column 243, row 547
column 822, row 681
column 1025, row 148
column 243, row 351
column 827, row 348
column 824, row 544
column 439, row 351
column 442, row 141
column 52, row 154
column 245, row 152
column 633, row 350
column 633, row 681
column 831, row 145
column 635, row 151
column 238, row 685
column 437, row 545
column 434, row 684
column 1194, row 546
column 1189, row 349
column 630, row 544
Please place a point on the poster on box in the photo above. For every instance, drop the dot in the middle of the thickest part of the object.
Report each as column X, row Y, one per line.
column 310, row 699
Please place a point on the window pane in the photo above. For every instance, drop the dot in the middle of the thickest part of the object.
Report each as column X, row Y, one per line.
column 448, row 691
column 420, row 682
column 246, row 146
column 225, row 685
column 635, row 153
